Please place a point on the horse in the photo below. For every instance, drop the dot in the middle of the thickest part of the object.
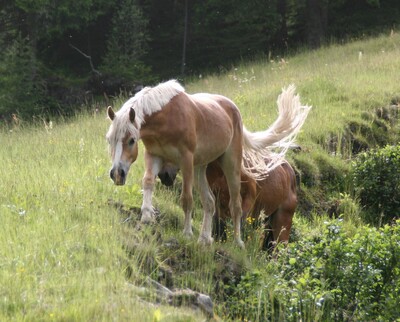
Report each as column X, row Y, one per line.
column 191, row 131
column 275, row 195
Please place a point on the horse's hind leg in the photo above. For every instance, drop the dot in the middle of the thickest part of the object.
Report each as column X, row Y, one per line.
column 187, row 192
column 208, row 203
column 232, row 169
column 219, row 228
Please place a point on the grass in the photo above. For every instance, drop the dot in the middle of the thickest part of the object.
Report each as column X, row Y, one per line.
column 62, row 257
column 334, row 80
column 63, row 248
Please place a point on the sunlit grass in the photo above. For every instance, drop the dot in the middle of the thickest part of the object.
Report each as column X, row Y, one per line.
column 61, row 252
column 337, row 81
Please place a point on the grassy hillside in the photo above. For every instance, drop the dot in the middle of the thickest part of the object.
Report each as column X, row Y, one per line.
column 340, row 82
column 67, row 254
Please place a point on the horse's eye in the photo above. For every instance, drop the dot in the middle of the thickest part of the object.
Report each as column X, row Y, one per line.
column 131, row 141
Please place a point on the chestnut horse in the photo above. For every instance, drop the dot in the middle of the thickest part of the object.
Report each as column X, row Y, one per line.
column 191, row 131
column 275, row 195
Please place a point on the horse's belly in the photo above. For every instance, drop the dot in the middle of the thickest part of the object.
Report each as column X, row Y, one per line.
column 212, row 144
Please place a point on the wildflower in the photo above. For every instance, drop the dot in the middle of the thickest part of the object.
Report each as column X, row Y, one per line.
column 157, row 315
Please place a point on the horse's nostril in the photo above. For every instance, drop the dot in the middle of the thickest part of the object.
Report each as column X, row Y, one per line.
column 121, row 173
column 112, row 174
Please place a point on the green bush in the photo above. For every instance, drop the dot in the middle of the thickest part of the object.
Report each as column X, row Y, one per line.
column 333, row 277
column 376, row 178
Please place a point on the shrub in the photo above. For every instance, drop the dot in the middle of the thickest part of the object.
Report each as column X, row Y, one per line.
column 376, row 178
column 332, row 277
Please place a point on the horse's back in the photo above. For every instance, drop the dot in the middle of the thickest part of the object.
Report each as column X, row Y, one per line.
column 214, row 103
column 216, row 112
column 277, row 190
column 203, row 124
column 217, row 123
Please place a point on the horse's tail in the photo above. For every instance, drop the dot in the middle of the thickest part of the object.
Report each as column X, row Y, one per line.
column 273, row 143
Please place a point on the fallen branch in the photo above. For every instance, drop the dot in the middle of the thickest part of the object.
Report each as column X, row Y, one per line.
column 94, row 70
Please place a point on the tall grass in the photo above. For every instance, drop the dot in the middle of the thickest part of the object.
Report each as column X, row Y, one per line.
column 339, row 81
column 61, row 251
column 63, row 247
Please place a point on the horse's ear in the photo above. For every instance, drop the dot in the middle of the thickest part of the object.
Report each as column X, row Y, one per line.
column 132, row 115
column 110, row 113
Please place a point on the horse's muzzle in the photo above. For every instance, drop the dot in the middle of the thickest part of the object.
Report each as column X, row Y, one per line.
column 118, row 175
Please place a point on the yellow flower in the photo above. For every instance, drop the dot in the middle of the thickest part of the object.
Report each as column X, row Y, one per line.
column 157, row 315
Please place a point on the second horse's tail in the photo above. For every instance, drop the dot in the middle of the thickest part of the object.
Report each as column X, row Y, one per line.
column 273, row 143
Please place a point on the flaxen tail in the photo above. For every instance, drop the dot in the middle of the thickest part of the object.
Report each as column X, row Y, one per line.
column 273, row 143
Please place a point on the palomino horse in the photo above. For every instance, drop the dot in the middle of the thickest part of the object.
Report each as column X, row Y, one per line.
column 275, row 195
column 191, row 131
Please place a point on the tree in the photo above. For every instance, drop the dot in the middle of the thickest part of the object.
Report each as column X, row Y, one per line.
column 127, row 43
column 30, row 27
column 22, row 89
column 185, row 32
column 317, row 22
column 226, row 31
column 281, row 36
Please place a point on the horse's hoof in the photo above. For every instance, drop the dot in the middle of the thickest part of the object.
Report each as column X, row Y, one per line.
column 205, row 240
column 147, row 217
column 240, row 243
column 188, row 233
column 147, row 221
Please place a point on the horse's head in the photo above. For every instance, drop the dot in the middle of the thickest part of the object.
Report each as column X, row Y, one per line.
column 122, row 138
column 168, row 174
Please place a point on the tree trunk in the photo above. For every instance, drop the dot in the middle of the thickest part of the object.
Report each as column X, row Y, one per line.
column 281, row 39
column 183, row 65
column 317, row 21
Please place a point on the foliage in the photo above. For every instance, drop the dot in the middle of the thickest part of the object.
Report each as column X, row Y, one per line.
column 377, row 181
column 54, row 18
column 22, row 88
column 131, row 41
column 330, row 277
column 239, row 29
column 127, row 43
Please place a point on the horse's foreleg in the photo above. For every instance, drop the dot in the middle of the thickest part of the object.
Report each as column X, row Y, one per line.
column 152, row 167
column 208, row 203
column 187, row 193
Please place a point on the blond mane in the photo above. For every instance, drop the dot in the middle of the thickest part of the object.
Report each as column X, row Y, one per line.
column 146, row 102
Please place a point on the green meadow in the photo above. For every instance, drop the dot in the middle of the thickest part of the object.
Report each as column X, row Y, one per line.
column 67, row 253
